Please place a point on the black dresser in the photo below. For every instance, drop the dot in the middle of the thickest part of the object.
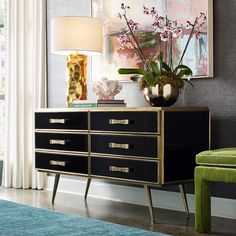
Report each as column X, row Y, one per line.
column 146, row 146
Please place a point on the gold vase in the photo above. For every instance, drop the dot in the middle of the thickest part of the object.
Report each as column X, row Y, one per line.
column 161, row 95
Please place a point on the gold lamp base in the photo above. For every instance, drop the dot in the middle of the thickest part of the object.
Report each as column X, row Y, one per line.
column 76, row 77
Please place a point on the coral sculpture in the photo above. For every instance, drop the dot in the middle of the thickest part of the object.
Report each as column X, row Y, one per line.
column 106, row 89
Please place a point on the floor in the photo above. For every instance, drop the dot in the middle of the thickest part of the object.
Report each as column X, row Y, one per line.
column 170, row 222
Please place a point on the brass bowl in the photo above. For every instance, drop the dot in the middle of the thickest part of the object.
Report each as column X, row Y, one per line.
column 161, row 95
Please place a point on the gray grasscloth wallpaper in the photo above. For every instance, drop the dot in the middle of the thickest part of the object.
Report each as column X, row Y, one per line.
column 218, row 93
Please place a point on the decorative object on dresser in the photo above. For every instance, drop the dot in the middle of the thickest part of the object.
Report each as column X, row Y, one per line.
column 76, row 37
column 141, row 146
column 111, row 103
column 106, row 89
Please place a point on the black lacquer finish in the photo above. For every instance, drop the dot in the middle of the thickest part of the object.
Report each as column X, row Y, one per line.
column 72, row 120
column 136, row 170
column 58, row 141
column 65, row 163
column 142, row 146
column 137, row 121
column 186, row 134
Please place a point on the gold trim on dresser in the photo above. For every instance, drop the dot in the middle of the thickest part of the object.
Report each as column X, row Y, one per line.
column 117, row 147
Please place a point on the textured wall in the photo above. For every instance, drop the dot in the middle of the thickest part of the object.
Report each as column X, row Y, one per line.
column 218, row 93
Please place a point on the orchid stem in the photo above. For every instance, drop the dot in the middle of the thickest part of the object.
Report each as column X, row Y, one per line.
column 139, row 50
column 189, row 38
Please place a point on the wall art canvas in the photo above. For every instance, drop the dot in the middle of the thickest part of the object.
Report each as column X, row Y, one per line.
column 199, row 54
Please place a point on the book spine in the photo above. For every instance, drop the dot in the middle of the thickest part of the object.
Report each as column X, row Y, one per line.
column 89, row 105
column 110, row 101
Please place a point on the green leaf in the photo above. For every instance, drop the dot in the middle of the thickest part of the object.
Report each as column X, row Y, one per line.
column 125, row 71
column 136, row 78
column 160, row 58
column 155, row 68
column 149, row 78
column 184, row 72
column 180, row 67
column 166, row 67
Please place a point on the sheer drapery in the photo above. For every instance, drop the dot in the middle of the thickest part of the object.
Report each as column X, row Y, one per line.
column 26, row 88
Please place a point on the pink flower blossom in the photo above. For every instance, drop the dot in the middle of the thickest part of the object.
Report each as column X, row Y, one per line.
column 153, row 11
column 159, row 24
column 145, row 10
column 122, row 40
column 164, row 36
column 133, row 25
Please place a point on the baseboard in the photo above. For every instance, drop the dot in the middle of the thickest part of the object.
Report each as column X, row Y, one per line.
column 163, row 199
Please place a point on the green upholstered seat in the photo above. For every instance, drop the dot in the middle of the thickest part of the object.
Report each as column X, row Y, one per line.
column 213, row 166
column 220, row 157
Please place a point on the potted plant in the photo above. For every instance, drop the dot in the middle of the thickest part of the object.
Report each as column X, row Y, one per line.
column 159, row 79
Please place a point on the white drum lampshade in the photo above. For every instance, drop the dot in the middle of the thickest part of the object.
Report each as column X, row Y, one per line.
column 74, row 34
column 76, row 37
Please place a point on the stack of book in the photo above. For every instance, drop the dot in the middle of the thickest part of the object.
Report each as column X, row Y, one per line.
column 98, row 103
column 83, row 104
column 111, row 103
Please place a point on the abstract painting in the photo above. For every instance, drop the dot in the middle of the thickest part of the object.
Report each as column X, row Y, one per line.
column 199, row 53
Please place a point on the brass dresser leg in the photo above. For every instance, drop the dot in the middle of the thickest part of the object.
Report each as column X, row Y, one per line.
column 185, row 201
column 87, row 188
column 150, row 206
column 56, row 181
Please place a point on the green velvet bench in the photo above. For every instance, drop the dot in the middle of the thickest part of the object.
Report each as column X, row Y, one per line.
column 213, row 166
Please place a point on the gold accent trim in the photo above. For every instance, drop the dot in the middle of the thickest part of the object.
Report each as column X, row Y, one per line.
column 136, row 182
column 57, row 121
column 162, row 147
column 123, row 133
column 119, row 145
column 61, row 152
column 57, row 141
column 57, row 163
column 61, row 131
column 135, row 158
column 89, row 143
column 120, row 122
column 119, row 169
column 62, row 172
column 122, row 109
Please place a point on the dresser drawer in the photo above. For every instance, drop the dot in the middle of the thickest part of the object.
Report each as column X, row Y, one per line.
column 124, row 169
column 58, row 141
column 125, row 121
column 140, row 146
column 61, row 120
column 65, row 163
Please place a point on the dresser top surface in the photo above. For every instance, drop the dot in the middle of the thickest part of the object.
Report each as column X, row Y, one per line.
column 123, row 109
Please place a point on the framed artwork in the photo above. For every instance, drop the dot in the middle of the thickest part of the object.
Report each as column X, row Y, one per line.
column 199, row 53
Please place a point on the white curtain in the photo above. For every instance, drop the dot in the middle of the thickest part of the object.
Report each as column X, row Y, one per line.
column 26, row 88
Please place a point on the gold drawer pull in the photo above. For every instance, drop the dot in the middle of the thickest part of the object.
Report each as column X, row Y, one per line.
column 57, row 163
column 57, row 141
column 118, row 122
column 119, row 169
column 57, row 121
column 119, row 145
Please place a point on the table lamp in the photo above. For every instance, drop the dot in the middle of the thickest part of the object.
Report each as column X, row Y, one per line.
column 76, row 37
